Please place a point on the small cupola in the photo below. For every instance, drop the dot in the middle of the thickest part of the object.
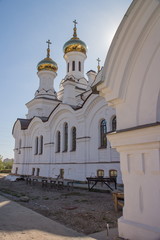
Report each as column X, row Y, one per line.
column 47, row 69
column 47, row 63
column 75, row 44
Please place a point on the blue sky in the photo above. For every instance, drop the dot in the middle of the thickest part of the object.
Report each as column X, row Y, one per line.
column 25, row 26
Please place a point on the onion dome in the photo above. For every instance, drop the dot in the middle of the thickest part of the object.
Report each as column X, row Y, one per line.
column 47, row 63
column 75, row 44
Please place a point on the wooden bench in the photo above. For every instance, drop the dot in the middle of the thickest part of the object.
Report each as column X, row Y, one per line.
column 92, row 182
column 118, row 199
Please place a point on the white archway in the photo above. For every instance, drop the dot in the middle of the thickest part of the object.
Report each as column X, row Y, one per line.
column 130, row 83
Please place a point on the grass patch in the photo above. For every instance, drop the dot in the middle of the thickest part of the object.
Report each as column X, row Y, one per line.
column 12, row 193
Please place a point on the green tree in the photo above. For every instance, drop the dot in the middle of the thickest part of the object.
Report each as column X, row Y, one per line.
column 1, row 163
column 8, row 165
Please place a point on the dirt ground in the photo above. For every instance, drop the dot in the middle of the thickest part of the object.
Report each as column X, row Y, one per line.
column 84, row 211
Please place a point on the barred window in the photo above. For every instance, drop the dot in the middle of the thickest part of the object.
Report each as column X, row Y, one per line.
column 65, row 137
column 103, row 131
column 73, row 139
column 79, row 66
column 38, row 171
column 16, row 172
column 36, row 146
column 112, row 173
column 61, row 173
column 73, row 65
column 20, row 145
column 33, row 171
column 100, row 173
column 114, row 124
column 58, row 141
column 41, row 145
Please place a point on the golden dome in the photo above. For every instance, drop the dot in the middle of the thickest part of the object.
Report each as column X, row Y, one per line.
column 75, row 44
column 47, row 63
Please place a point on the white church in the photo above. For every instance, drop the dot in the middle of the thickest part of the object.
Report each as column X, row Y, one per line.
column 64, row 132
column 130, row 83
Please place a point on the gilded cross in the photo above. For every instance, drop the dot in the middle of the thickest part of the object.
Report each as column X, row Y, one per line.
column 48, row 49
column 98, row 60
column 75, row 30
column 49, row 42
column 75, row 23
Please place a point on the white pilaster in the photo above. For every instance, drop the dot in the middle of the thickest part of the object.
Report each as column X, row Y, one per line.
column 140, row 165
column 69, row 92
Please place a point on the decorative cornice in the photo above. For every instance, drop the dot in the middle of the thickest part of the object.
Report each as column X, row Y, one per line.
column 137, row 127
column 49, row 143
column 83, row 137
column 67, row 163
column 25, row 147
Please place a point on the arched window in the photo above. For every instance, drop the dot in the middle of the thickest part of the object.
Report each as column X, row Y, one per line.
column 36, row 146
column 112, row 173
column 100, row 173
column 33, row 171
column 73, row 139
column 58, row 140
column 16, row 172
column 68, row 67
column 73, row 65
column 79, row 66
column 103, row 131
column 20, row 145
column 65, row 137
column 114, row 124
column 38, row 171
column 61, row 173
column 41, row 145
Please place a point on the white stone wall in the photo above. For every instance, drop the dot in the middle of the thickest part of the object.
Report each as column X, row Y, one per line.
column 87, row 158
column 131, row 84
column 75, row 56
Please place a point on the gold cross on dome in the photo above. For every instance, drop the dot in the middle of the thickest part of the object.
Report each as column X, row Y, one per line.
column 48, row 49
column 49, row 42
column 98, row 67
column 75, row 30
column 75, row 23
column 98, row 60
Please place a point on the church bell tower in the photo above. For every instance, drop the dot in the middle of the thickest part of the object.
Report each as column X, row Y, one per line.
column 74, row 82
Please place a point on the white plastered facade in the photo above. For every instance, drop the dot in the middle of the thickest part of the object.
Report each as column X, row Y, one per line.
column 77, row 105
column 131, row 84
